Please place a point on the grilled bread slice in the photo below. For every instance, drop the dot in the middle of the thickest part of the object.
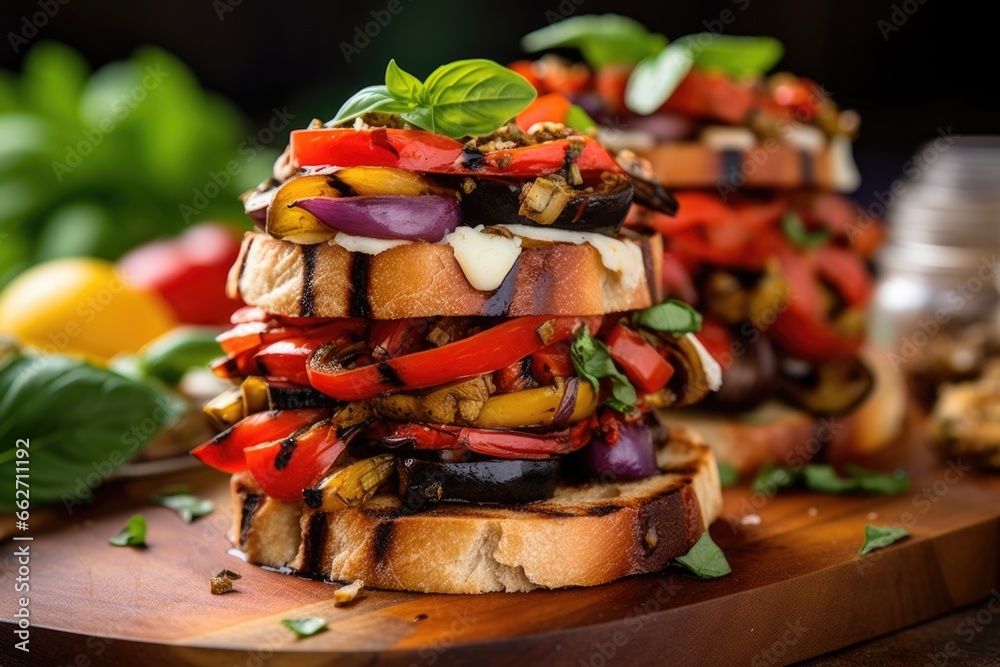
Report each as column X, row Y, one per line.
column 584, row 536
column 422, row 279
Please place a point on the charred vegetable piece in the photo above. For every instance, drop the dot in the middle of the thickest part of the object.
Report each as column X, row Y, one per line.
column 283, row 468
column 289, row 223
column 351, row 486
column 225, row 409
column 453, row 404
column 426, row 218
column 690, row 382
column 550, row 202
column 225, row 451
column 829, row 388
column 504, row 482
column 381, row 181
column 253, row 391
column 537, row 407
column 288, row 396
column 750, row 377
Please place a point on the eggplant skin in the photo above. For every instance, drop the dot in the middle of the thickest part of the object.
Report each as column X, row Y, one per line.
column 425, row 483
column 497, row 203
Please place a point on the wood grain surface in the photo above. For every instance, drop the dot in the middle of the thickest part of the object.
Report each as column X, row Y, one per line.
column 797, row 589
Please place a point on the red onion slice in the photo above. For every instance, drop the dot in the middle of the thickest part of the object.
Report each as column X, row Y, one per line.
column 632, row 457
column 426, row 218
column 567, row 405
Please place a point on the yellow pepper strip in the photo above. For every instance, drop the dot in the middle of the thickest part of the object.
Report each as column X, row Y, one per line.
column 225, row 409
column 534, row 407
column 377, row 181
column 354, row 485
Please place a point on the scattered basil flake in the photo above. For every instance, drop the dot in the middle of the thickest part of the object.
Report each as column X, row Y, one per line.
column 133, row 534
column 305, row 627
column 872, row 481
column 822, row 478
column 800, row 237
column 466, row 97
column 578, row 119
column 705, row 560
column 188, row 506
column 592, row 361
column 228, row 574
column 879, row 537
column 603, row 40
column 737, row 56
column 655, row 79
column 728, row 475
column 672, row 315
column 770, row 478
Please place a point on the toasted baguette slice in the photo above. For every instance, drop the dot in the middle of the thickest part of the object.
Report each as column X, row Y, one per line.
column 695, row 165
column 423, row 279
column 785, row 436
column 584, row 536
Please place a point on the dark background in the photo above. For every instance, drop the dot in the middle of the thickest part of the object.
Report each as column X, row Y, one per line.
column 929, row 74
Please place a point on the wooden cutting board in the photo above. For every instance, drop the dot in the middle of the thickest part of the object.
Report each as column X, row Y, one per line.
column 797, row 589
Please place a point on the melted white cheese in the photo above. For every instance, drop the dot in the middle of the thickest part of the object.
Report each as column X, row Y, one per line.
column 713, row 371
column 365, row 244
column 486, row 259
column 723, row 138
column 618, row 256
column 846, row 177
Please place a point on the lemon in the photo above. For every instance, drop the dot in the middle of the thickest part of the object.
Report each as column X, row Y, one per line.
column 81, row 306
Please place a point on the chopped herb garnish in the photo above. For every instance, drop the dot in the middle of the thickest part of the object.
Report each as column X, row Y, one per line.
column 305, row 627
column 728, row 475
column 823, row 478
column 879, row 537
column 705, row 560
column 228, row 574
column 133, row 534
column 592, row 361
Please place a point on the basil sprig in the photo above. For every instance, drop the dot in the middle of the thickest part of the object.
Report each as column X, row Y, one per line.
column 705, row 560
column 180, row 499
column 463, row 98
column 659, row 65
column 672, row 315
column 879, row 537
column 592, row 361
column 305, row 627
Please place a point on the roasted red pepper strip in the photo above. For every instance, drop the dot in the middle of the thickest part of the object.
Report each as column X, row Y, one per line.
column 552, row 362
column 286, row 359
column 225, row 451
column 489, row 442
column 481, row 353
column 284, row 467
column 417, row 150
column 639, row 360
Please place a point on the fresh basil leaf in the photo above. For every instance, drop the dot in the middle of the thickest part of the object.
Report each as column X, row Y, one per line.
column 470, row 97
column 879, row 537
column 737, row 56
column 822, row 478
column 603, row 40
column 705, row 560
column 655, row 78
column 672, row 315
column 728, row 475
column 800, row 237
column 305, row 627
column 872, row 481
column 133, row 534
column 578, row 119
column 367, row 100
column 592, row 361
column 83, row 423
column 186, row 505
column 770, row 478
column 402, row 85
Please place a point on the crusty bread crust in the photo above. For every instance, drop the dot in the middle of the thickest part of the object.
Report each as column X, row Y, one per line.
column 777, row 433
column 584, row 536
column 424, row 279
